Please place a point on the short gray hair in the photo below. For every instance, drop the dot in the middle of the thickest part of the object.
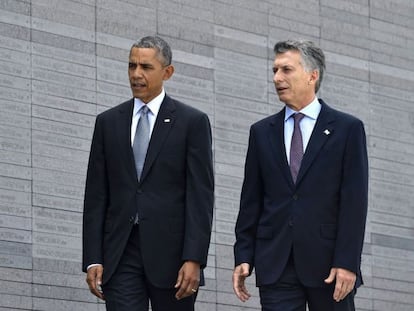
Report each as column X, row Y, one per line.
column 157, row 43
column 312, row 56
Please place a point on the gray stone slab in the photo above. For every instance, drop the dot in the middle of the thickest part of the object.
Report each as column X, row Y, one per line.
column 15, row 184
column 58, row 266
column 190, row 28
column 11, row 157
column 123, row 92
column 58, row 279
column 59, row 128
column 8, row 118
column 14, row 69
column 15, row 145
column 58, row 292
column 230, row 16
column 64, row 106
column 65, row 204
column 63, row 79
column 55, row 225
column 65, row 67
column 13, row 132
column 13, row 18
column 69, row 165
column 294, row 25
column 393, row 241
column 14, row 31
column 14, row 82
column 64, row 91
column 63, row 305
column 58, row 177
column 382, row 13
column 8, row 106
column 65, row 12
column 123, row 23
column 15, row 288
column 15, row 197
column 15, row 301
column 15, row 209
column 55, row 252
column 65, row 191
column 58, row 140
column 56, row 40
column 60, row 52
column 15, row 235
column 21, row 7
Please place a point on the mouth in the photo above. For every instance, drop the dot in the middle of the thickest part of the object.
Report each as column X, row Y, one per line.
column 137, row 85
column 280, row 89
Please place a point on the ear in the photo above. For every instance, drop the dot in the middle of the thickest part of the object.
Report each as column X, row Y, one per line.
column 314, row 76
column 168, row 72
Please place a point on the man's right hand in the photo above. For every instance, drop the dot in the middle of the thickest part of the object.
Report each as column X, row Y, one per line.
column 240, row 273
column 94, row 280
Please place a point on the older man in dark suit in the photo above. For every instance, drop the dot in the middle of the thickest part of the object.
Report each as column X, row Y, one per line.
column 304, row 198
column 149, row 193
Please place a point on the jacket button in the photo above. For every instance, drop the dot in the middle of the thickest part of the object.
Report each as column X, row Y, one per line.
column 290, row 223
column 295, row 197
column 139, row 191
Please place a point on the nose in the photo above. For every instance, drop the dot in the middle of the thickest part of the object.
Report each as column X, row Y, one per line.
column 135, row 72
column 276, row 77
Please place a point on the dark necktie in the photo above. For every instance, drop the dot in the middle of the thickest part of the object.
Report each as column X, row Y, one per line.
column 141, row 140
column 296, row 147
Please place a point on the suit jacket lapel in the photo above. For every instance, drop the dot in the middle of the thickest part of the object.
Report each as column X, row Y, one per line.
column 324, row 127
column 277, row 143
column 123, row 131
column 163, row 124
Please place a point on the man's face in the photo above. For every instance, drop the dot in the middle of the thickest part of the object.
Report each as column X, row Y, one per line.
column 147, row 73
column 295, row 86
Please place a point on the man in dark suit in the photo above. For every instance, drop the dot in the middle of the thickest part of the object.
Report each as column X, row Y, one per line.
column 149, row 193
column 304, row 198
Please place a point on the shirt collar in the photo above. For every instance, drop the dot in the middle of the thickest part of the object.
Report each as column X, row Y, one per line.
column 153, row 106
column 311, row 111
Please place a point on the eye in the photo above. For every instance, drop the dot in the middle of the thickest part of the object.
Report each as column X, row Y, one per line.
column 146, row 67
column 132, row 65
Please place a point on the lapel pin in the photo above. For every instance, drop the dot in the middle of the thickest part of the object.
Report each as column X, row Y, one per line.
column 167, row 120
column 327, row 132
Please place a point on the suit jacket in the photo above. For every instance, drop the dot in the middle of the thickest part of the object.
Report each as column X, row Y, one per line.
column 174, row 197
column 321, row 217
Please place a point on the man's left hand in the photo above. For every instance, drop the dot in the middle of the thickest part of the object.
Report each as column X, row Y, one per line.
column 345, row 282
column 188, row 279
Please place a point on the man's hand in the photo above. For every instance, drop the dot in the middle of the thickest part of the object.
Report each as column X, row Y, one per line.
column 240, row 273
column 188, row 279
column 94, row 280
column 345, row 282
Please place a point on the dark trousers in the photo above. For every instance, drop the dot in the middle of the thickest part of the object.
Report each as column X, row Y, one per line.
column 129, row 290
column 288, row 294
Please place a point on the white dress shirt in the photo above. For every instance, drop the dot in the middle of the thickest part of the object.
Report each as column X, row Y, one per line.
column 153, row 108
column 307, row 124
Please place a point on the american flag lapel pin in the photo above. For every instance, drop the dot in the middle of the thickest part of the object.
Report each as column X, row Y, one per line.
column 167, row 120
column 326, row 132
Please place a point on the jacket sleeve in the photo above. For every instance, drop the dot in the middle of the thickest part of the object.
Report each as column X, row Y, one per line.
column 95, row 200
column 251, row 204
column 199, row 200
column 353, row 203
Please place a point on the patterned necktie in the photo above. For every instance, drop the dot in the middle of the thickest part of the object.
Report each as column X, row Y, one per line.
column 296, row 147
column 141, row 140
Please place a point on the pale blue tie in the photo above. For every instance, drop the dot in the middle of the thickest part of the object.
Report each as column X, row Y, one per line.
column 141, row 140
